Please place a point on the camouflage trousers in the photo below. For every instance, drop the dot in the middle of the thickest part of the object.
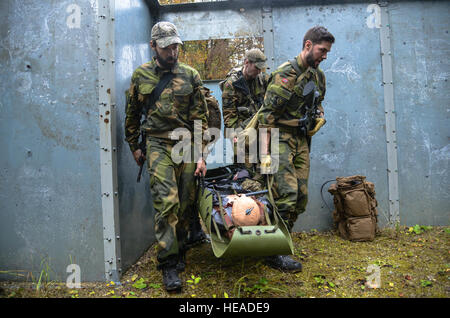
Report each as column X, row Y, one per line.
column 173, row 190
column 290, row 186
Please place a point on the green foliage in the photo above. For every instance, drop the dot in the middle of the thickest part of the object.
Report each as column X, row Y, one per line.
column 425, row 283
column 419, row 229
column 140, row 284
column 194, row 280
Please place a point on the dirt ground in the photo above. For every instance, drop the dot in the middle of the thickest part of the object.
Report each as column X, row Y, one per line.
column 407, row 262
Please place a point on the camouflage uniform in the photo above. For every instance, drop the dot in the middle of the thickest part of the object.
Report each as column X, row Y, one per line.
column 172, row 185
column 236, row 94
column 284, row 102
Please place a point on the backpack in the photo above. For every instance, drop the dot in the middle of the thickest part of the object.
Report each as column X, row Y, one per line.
column 214, row 115
column 355, row 213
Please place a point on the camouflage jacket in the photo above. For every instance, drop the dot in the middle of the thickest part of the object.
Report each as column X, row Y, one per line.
column 284, row 97
column 241, row 99
column 180, row 103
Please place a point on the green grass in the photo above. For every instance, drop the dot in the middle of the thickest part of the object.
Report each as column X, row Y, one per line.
column 412, row 263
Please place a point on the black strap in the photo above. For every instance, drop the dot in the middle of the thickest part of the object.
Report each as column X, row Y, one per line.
column 241, row 84
column 321, row 193
column 295, row 66
column 154, row 96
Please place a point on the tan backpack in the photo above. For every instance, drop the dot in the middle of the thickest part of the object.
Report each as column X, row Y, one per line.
column 214, row 115
column 355, row 213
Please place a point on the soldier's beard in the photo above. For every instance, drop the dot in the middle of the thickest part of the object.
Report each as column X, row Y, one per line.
column 167, row 63
column 310, row 60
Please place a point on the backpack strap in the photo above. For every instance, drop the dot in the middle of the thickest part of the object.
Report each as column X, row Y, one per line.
column 154, row 96
column 299, row 73
column 294, row 64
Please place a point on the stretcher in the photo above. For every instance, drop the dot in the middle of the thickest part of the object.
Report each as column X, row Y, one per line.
column 228, row 239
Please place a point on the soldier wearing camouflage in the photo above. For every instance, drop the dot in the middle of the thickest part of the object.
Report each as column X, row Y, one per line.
column 284, row 105
column 181, row 102
column 172, row 184
column 282, row 102
column 243, row 94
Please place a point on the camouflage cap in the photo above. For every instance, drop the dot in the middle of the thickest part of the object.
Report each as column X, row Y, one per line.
column 165, row 34
column 257, row 57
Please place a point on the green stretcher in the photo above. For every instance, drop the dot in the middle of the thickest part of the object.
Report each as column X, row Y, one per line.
column 259, row 240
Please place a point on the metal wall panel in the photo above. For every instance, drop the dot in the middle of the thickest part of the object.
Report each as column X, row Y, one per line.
column 203, row 25
column 132, row 36
column 421, row 51
column 50, row 206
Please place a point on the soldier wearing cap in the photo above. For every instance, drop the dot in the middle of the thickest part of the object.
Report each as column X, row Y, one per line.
column 284, row 108
column 172, row 184
column 243, row 90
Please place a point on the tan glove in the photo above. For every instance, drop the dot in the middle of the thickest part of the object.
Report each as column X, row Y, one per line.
column 266, row 163
column 319, row 123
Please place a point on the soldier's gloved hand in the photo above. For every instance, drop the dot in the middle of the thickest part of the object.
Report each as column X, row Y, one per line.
column 139, row 157
column 319, row 123
column 265, row 165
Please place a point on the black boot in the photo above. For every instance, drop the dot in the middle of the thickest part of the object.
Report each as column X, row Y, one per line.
column 284, row 263
column 196, row 234
column 170, row 278
column 181, row 265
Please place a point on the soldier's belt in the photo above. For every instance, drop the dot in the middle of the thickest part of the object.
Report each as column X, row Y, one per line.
column 162, row 135
column 289, row 126
column 289, row 122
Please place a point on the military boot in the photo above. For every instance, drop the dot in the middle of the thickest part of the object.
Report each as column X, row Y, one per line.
column 181, row 265
column 196, row 234
column 170, row 278
column 283, row 263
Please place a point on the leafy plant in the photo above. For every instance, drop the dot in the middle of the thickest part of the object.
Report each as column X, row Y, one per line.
column 320, row 279
column 194, row 280
column 323, row 282
column 130, row 295
column 155, row 286
column 44, row 275
column 261, row 287
column 140, row 284
column 419, row 229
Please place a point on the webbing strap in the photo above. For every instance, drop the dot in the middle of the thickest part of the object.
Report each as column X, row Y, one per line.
column 222, row 211
column 154, row 96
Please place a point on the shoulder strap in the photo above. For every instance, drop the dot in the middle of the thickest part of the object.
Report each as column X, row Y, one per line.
column 154, row 96
column 298, row 72
column 241, row 84
column 294, row 64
